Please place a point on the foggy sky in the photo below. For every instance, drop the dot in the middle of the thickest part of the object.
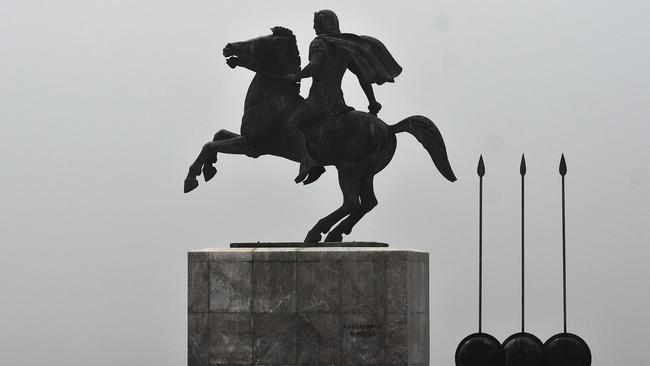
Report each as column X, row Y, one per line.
column 104, row 104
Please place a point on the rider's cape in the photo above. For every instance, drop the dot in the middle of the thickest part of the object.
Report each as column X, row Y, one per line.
column 370, row 57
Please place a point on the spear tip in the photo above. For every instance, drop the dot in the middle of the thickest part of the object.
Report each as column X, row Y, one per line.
column 562, row 166
column 522, row 165
column 480, row 170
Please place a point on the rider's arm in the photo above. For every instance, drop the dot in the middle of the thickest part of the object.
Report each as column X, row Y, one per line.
column 312, row 68
column 316, row 60
column 374, row 107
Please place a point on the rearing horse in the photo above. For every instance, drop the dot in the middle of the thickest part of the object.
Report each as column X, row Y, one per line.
column 358, row 144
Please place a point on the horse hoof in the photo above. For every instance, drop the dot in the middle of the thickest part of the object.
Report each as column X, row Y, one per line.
column 334, row 237
column 190, row 184
column 208, row 172
column 312, row 237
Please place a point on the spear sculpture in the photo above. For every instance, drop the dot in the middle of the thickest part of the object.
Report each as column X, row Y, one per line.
column 566, row 348
column 480, row 349
column 523, row 349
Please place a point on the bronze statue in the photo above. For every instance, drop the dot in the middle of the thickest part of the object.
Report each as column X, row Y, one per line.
column 331, row 53
column 321, row 130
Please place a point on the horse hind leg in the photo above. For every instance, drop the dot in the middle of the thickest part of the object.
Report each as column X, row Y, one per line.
column 350, row 189
column 209, row 170
column 368, row 202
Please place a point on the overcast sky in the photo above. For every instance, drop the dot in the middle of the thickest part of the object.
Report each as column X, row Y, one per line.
column 104, row 104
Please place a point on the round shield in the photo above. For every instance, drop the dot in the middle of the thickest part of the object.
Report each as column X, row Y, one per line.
column 566, row 349
column 523, row 349
column 479, row 349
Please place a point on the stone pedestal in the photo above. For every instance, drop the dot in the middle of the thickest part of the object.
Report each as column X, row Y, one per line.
column 308, row 306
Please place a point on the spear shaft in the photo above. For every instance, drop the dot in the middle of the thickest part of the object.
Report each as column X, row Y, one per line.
column 480, row 170
column 522, row 254
column 480, row 254
column 522, row 172
column 563, row 170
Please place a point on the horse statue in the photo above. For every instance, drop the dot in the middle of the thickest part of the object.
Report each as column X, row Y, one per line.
column 358, row 144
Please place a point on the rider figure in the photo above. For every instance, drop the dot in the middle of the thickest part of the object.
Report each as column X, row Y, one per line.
column 331, row 53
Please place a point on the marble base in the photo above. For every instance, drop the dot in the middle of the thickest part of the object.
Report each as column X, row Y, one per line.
column 308, row 306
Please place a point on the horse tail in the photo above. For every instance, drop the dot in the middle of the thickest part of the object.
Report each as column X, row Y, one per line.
column 428, row 135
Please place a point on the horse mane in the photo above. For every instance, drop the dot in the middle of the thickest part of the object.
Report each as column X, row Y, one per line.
column 287, row 33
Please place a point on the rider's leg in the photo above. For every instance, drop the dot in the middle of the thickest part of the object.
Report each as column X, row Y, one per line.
column 298, row 143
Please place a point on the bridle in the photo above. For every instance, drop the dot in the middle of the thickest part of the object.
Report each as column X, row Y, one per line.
column 266, row 73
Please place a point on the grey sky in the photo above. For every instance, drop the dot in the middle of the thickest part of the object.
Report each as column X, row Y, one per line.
column 104, row 104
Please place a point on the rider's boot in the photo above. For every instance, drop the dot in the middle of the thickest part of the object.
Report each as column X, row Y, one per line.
column 314, row 174
column 306, row 165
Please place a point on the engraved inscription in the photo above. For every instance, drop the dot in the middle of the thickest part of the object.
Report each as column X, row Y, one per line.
column 365, row 330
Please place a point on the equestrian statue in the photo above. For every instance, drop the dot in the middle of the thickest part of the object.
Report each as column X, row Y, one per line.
column 321, row 130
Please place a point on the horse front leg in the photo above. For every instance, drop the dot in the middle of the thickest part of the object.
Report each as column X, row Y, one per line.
column 237, row 145
column 209, row 170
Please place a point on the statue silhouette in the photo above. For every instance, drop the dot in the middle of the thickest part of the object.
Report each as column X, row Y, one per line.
column 358, row 144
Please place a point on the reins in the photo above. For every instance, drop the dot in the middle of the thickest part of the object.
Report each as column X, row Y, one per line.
column 270, row 74
column 266, row 73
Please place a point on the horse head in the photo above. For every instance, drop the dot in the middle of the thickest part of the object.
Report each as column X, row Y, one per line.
column 274, row 54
